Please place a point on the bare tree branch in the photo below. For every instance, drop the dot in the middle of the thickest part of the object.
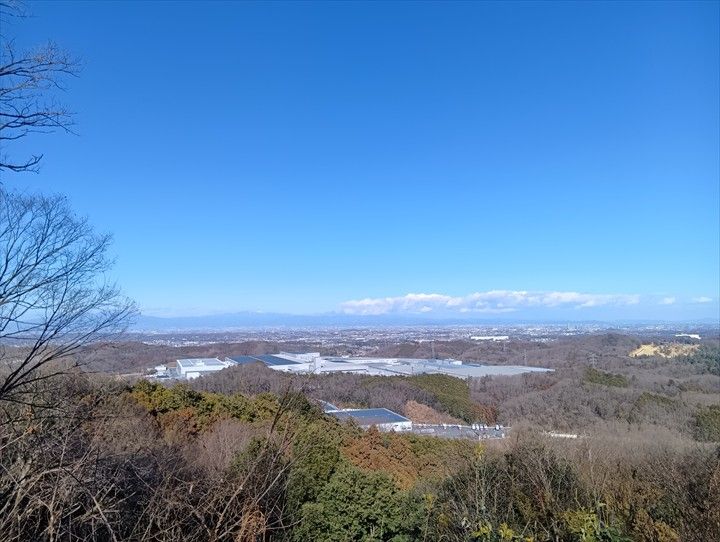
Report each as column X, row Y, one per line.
column 29, row 82
column 54, row 297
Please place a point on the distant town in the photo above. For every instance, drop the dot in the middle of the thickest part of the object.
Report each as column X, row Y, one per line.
column 367, row 338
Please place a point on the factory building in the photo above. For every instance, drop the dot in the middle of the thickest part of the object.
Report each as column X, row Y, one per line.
column 195, row 367
column 314, row 363
column 274, row 361
column 382, row 418
column 307, row 357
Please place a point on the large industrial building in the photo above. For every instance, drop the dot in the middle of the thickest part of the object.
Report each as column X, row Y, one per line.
column 195, row 367
column 278, row 361
column 382, row 418
column 387, row 420
column 314, row 363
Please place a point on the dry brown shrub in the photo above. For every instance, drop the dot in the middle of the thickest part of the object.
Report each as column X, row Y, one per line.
column 215, row 448
column 389, row 453
column 420, row 413
column 253, row 525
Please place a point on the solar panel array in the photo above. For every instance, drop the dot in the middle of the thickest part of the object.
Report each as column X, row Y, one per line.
column 274, row 360
column 242, row 360
column 267, row 359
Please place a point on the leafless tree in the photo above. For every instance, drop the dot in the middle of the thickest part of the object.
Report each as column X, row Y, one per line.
column 54, row 294
column 29, row 79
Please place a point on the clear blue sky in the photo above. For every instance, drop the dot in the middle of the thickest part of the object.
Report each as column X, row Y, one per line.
column 294, row 157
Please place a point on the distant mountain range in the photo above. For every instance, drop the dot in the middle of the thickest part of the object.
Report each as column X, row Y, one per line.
column 267, row 319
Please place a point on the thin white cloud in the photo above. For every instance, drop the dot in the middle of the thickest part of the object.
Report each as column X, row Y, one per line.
column 702, row 299
column 493, row 301
column 667, row 301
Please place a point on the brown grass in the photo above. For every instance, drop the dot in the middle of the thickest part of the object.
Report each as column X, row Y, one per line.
column 420, row 413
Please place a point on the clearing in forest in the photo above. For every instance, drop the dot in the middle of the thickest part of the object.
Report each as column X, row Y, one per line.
column 671, row 350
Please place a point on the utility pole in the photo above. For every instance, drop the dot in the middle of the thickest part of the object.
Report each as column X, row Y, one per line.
column 592, row 358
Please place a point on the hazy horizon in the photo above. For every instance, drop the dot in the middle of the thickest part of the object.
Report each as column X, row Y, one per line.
column 261, row 320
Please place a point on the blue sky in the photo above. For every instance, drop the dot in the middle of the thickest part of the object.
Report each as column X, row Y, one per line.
column 312, row 157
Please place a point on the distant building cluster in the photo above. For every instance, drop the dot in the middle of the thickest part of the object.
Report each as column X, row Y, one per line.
column 382, row 418
column 492, row 338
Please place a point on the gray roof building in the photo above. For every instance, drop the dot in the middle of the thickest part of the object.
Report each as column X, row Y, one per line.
column 384, row 419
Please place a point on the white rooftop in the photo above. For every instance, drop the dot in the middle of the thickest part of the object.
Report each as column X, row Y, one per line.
column 404, row 366
column 201, row 362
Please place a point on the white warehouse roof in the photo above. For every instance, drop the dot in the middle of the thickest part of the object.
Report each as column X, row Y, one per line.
column 201, row 362
column 194, row 367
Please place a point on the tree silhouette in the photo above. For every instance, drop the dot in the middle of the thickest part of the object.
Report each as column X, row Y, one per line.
column 29, row 81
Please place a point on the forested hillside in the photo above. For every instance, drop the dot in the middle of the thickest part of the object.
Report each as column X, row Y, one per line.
column 613, row 390
column 246, row 455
